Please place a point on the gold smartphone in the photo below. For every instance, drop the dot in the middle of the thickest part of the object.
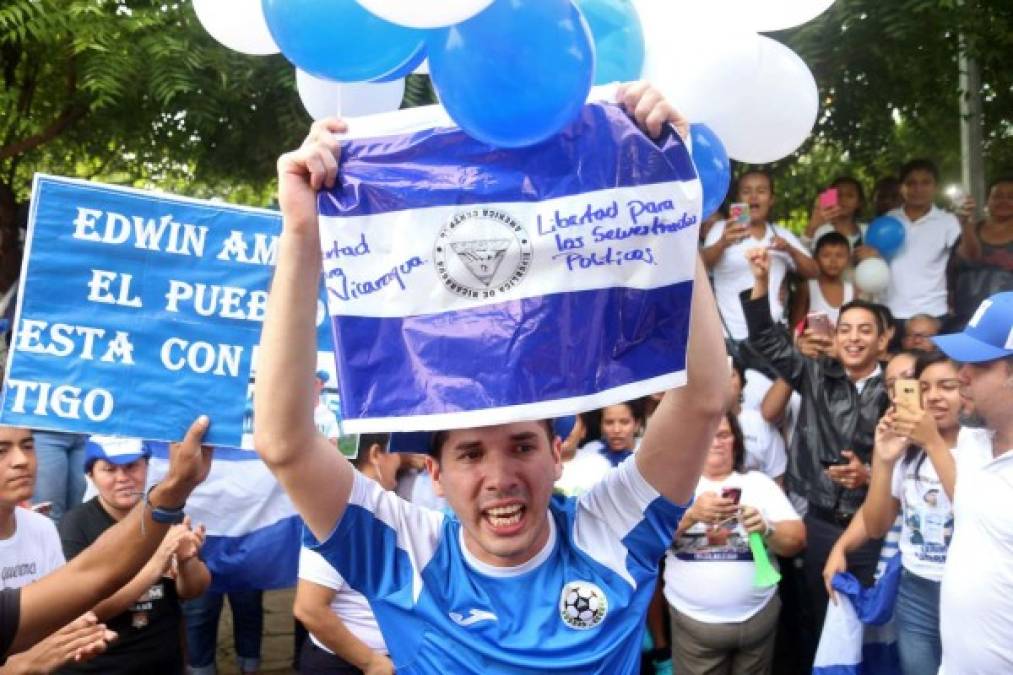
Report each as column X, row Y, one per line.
column 908, row 392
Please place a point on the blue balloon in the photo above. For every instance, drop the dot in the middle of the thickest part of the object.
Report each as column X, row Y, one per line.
column 886, row 234
column 339, row 39
column 618, row 39
column 712, row 166
column 516, row 73
column 408, row 68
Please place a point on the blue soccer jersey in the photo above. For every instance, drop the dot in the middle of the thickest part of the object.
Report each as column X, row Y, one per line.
column 576, row 607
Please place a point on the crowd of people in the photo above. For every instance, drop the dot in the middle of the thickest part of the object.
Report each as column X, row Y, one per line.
column 847, row 426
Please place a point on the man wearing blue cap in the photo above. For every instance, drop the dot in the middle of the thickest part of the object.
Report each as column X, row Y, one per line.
column 976, row 603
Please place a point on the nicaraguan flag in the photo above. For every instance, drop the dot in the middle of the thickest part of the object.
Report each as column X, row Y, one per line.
column 253, row 532
column 471, row 285
column 851, row 643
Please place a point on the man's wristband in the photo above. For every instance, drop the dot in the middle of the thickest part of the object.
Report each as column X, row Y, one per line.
column 167, row 515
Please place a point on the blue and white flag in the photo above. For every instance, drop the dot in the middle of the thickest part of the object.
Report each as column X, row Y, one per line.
column 471, row 285
column 253, row 532
column 853, row 640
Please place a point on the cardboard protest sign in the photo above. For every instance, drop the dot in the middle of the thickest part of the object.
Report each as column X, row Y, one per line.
column 139, row 311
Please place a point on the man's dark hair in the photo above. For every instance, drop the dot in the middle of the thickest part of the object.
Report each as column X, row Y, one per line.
column 755, row 172
column 831, row 239
column 1005, row 178
column 884, row 312
column 440, row 437
column 869, row 307
column 367, row 441
column 919, row 164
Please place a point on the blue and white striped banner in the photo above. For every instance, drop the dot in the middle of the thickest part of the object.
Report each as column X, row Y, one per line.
column 471, row 285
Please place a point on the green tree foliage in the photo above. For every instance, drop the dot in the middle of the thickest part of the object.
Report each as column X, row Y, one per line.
column 135, row 92
column 889, row 85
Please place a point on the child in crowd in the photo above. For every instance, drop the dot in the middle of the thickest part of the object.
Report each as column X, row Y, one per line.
column 830, row 290
column 840, row 206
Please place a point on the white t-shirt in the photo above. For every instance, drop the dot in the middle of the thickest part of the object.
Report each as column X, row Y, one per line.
column 32, row 552
column 348, row 605
column 756, row 387
column 976, row 601
column 819, row 303
column 764, row 444
column 918, row 270
column 709, row 573
column 326, row 421
column 732, row 276
column 927, row 517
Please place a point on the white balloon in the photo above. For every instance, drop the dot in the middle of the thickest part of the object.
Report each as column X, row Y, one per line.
column 872, row 275
column 697, row 57
column 423, row 68
column 772, row 15
column 425, row 13
column 771, row 115
column 238, row 24
column 325, row 98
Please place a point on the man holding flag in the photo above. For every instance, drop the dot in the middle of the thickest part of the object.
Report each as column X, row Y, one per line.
column 520, row 581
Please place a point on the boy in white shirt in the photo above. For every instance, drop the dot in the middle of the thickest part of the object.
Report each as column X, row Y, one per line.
column 29, row 544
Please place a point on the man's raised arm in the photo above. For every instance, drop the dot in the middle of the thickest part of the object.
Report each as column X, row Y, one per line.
column 313, row 473
column 682, row 429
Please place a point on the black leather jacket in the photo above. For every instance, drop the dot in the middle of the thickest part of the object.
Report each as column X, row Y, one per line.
column 833, row 416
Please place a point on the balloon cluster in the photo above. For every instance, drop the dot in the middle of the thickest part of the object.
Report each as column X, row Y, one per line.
column 514, row 72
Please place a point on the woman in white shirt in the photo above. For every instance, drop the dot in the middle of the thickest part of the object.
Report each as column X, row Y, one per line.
column 913, row 473
column 721, row 622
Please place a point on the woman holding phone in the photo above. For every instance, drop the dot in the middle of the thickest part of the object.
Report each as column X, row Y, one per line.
column 721, row 622
column 913, row 474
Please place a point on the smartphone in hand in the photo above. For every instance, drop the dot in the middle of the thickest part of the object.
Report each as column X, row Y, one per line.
column 908, row 392
column 733, row 493
column 738, row 213
column 828, row 198
column 819, row 324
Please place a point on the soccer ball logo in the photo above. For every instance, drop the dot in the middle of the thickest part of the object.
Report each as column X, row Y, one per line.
column 582, row 605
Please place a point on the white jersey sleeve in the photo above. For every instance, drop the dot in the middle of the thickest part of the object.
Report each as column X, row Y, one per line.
column 625, row 524
column 313, row 568
column 382, row 543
